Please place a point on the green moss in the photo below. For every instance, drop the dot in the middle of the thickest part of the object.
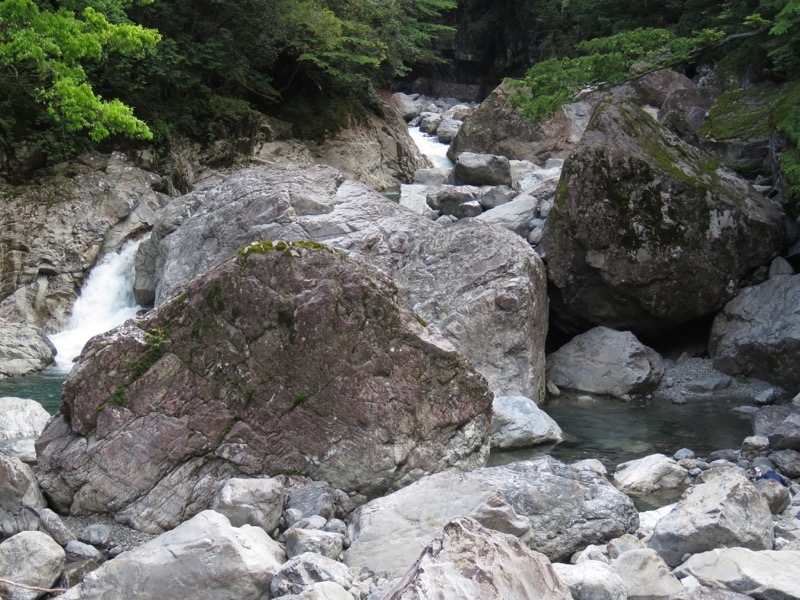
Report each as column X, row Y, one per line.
column 215, row 298
column 156, row 340
column 743, row 114
column 298, row 400
column 228, row 427
column 289, row 248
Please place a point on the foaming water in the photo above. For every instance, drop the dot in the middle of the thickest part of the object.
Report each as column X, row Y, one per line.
column 431, row 147
column 106, row 300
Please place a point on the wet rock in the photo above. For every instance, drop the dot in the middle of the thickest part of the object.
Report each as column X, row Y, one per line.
column 607, row 362
column 449, row 567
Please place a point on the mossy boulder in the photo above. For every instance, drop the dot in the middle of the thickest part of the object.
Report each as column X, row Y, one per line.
column 288, row 358
column 648, row 232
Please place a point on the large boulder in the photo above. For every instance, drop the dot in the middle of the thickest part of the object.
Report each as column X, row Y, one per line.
column 291, row 359
column 485, row 289
column 645, row 574
column 21, row 418
column 376, row 150
column 20, row 497
column 656, row 479
column 52, row 233
column 765, row 574
column 281, row 202
column 31, row 559
column 592, row 580
column 518, row 423
column 205, row 557
column 469, row 561
column 495, row 127
column 557, row 509
column 482, row 169
column 607, row 362
column 23, row 349
column 758, row 333
column 725, row 509
column 648, row 232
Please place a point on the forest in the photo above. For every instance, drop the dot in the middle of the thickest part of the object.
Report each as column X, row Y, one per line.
column 81, row 73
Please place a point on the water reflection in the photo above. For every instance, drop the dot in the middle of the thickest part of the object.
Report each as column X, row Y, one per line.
column 614, row 431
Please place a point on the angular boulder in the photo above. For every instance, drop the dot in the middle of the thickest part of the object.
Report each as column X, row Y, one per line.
column 758, row 333
column 286, row 202
column 203, row 557
column 607, row 362
column 23, row 350
column 725, row 509
column 20, row 497
column 656, row 479
column 485, row 289
column 257, row 502
column 645, row 574
column 482, row 169
column 293, row 359
column 592, row 580
column 648, row 232
column 32, row 559
column 763, row 574
column 469, row 561
column 556, row 508
column 518, row 423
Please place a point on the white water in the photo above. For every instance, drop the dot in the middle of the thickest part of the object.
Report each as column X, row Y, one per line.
column 431, row 147
column 106, row 300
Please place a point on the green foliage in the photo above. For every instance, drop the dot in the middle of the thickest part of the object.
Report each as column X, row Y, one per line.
column 44, row 54
column 602, row 62
column 292, row 248
column 787, row 121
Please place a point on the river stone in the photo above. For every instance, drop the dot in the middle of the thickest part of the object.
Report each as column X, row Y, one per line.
column 311, row 499
column 325, row 543
column 202, row 557
column 758, row 333
column 766, row 574
column 645, row 574
column 406, row 105
column 776, row 494
column 518, row 423
column 592, row 580
column 414, row 197
column 52, row 525
column 323, row 590
column 23, row 350
column 557, row 508
column 648, row 232
column 655, row 479
column 787, row 462
column 54, row 231
column 304, row 570
column 607, row 362
column 482, row 169
column 448, row 199
column 257, row 502
column 20, row 418
column 723, row 509
column 485, row 289
column 469, row 561
column 306, row 362
column 20, row 497
column 33, row 559
column 448, row 129
column 514, row 215
column 279, row 202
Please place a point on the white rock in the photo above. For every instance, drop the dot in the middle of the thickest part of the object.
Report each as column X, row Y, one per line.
column 21, row 418
column 592, row 580
column 30, row 558
column 645, row 574
column 656, row 478
column 517, row 422
column 257, row 502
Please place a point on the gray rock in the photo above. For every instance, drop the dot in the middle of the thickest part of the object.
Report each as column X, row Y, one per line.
column 654, row 88
column 305, row 570
column 325, row 543
column 469, row 209
column 683, row 454
column 780, row 267
column 701, row 592
column 645, row 574
column 482, row 169
column 758, row 333
column 33, row 559
column 20, row 497
column 757, row 574
column 23, row 350
column 613, row 262
column 324, row 590
column 655, row 479
column 776, row 494
column 52, row 525
column 607, row 362
column 449, row 199
column 406, row 105
column 429, row 122
column 313, row 498
column 97, row 535
column 709, row 384
column 77, row 551
column 431, row 177
column 592, row 580
column 754, row 446
column 518, row 423
column 787, row 462
column 414, row 197
column 496, row 195
column 202, row 557
column 623, row 544
column 214, row 385
column 484, row 289
column 447, row 130
column 558, row 508
column 515, row 214
column 257, row 502
column 20, row 418
column 724, row 509
column 469, row 561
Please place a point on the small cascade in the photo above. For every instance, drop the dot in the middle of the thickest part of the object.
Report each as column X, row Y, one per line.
column 431, row 147
column 106, row 300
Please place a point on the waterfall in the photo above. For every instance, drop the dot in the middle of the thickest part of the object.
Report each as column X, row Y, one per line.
column 105, row 301
column 431, row 147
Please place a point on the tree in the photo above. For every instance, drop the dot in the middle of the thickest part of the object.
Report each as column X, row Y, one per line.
column 43, row 55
